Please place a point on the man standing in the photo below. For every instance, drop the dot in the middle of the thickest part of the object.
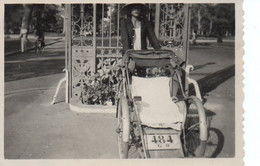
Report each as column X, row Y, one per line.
column 135, row 29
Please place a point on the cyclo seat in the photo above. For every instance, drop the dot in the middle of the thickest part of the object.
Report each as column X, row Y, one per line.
column 156, row 106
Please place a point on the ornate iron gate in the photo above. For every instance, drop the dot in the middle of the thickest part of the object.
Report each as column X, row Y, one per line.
column 83, row 43
column 172, row 27
column 94, row 49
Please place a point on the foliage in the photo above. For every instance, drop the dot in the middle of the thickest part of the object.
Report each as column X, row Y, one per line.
column 102, row 87
column 50, row 18
column 96, row 91
column 213, row 19
column 225, row 18
column 13, row 20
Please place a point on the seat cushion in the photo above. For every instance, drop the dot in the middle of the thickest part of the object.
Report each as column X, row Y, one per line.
column 157, row 108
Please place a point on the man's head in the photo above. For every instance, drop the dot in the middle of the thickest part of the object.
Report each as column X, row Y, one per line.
column 135, row 9
column 135, row 12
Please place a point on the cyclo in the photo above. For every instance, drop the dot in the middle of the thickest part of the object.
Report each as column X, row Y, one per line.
column 156, row 118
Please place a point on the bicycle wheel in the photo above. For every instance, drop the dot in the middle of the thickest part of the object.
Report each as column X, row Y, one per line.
column 122, row 146
column 195, row 129
column 215, row 143
column 131, row 148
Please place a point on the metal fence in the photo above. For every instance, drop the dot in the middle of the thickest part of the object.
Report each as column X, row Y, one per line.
column 93, row 45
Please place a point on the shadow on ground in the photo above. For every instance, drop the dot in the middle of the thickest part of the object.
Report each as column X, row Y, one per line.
column 212, row 81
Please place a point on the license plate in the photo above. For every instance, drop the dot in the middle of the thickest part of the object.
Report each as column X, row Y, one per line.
column 163, row 141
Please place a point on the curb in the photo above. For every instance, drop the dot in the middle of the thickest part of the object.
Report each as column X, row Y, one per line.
column 28, row 90
column 92, row 109
column 31, row 48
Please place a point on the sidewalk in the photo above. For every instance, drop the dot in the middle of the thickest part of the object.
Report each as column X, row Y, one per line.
column 53, row 131
column 35, row 129
column 214, row 69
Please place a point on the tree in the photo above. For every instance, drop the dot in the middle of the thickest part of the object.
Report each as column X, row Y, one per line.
column 13, row 20
column 25, row 25
column 41, row 17
column 225, row 19
column 213, row 19
column 200, row 18
column 63, row 16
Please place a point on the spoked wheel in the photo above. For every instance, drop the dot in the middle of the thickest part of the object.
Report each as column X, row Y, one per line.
column 195, row 129
column 215, row 143
column 135, row 145
column 126, row 149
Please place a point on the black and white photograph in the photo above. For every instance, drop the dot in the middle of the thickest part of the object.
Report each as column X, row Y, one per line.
column 123, row 81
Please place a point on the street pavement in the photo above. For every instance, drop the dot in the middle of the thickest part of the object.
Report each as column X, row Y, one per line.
column 12, row 43
column 35, row 129
column 27, row 65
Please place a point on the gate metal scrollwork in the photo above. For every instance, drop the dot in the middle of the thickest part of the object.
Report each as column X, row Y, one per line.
column 83, row 46
column 96, row 47
column 172, row 27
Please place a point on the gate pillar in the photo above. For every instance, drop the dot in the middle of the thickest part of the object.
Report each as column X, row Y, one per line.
column 83, row 46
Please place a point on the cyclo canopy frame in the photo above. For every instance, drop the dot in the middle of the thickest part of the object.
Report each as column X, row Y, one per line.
column 153, row 58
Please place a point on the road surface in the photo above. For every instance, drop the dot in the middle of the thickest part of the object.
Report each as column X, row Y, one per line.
column 34, row 129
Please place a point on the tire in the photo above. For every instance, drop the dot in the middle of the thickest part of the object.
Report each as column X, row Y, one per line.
column 215, row 143
column 128, row 149
column 122, row 146
column 195, row 129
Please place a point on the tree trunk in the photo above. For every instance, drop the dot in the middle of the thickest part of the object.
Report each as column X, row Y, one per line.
column 26, row 18
column 64, row 15
column 64, row 25
column 39, row 21
column 210, row 26
column 193, row 40
column 199, row 22
column 220, row 33
column 220, row 39
column 25, row 26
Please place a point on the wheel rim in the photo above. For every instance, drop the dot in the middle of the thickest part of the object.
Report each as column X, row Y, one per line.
column 120, row 133
column 214, row 143
column 193, row 146
column 131, row 148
